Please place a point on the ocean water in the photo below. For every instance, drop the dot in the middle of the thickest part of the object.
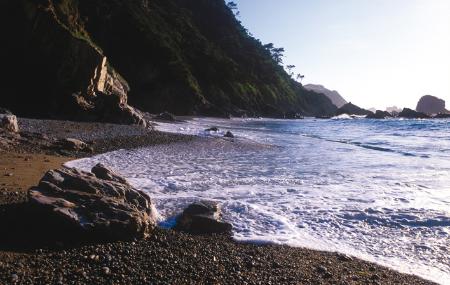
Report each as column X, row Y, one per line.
column 374, row 189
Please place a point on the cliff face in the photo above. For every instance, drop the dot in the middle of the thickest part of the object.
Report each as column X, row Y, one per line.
column 51, row 71
column 183, row 56
column 333, row 95
column 431, row 105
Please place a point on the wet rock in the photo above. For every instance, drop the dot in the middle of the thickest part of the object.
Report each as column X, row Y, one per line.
column 229, row 135
column 212, row 129
column 166, row 116
column 379, row 115
column 411, row 114
column 9, row 123
column 442, row 116
column 93, row 206
column 324, row 271
column 203, row 218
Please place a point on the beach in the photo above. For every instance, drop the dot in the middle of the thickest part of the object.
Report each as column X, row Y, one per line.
column 167, row 256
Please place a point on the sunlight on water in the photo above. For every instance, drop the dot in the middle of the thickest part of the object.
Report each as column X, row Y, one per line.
column 379, row 190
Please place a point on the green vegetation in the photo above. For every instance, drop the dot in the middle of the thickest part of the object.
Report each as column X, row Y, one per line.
column 187, row 57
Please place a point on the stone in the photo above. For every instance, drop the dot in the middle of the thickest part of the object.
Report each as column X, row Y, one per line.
column 9, row 123
column 72, row 145
column 229, row 135
column 431, row 105
column 98, row 205
column 411, row 114
column 379, row 115
column 166, row 116
column 212, row 129
column 203, row 218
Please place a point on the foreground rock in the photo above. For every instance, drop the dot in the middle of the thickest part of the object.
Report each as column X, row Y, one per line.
column 100, row 206
column 229, row 135
column 203, row 218
column 166, row 116
column 9, row 123
column 72, row 145
column 411, row 114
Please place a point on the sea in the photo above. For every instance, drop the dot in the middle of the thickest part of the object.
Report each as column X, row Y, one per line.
column 373, row 189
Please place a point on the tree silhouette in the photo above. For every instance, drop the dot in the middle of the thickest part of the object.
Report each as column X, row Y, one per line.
column 289, row 68
column 233, row 7
column 300, row 77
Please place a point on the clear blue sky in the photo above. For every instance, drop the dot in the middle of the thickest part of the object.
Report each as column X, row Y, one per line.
column 376, row 53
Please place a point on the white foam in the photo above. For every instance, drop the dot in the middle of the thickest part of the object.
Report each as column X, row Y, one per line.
column 313, row 191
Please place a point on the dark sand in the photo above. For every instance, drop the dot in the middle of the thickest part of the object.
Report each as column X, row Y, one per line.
column 167, row 257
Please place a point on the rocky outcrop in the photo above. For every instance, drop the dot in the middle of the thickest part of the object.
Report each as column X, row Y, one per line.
column 411, row 114
column 351, row 109
column 431, row 105
column 58, row 72
column 333, row 95
column 9, row 123
column 166, row 116
column 229, row 134
column 70, row 144
column 100, row 206
column 203, row 218
column 379, row 115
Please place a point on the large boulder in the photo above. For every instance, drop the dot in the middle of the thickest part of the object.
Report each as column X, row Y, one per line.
column 431, row 105
column 100, row 206
column 203, row 218
column 70, row 144
column 9, row 123
column 379, row 115
column 411, row 114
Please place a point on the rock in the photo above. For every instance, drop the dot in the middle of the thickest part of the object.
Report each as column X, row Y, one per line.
column 379, row 115
column 229, row 135
column 9, row 123
column 98, row 206
column 442, row 116
column 166, row 116
column 351, row 109
column 14, row 278
column 106, row 270
column 411, row 114
column 324, row 271
column 5, row 111
column 202, row 218
column 212, row 129
column 431, row 105
column 72, row 145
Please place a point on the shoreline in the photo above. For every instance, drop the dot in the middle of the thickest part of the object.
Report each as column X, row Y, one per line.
column 167, row 256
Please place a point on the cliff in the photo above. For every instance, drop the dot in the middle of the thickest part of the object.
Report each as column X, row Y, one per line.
column 187, row 57
column 431, row 105
column 333, row 95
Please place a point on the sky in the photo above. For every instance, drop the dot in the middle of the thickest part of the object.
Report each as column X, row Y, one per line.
column 376, row 53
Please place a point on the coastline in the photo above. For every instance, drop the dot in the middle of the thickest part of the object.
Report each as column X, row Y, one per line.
column 167, row 256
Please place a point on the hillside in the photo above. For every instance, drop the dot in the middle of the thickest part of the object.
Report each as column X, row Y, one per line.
column 333, row 95
column 187, row 57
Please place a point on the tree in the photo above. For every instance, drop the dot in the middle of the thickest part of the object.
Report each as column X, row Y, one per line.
column 233, row 7
column 300, row 77
column 289, row 68
column 276, row 53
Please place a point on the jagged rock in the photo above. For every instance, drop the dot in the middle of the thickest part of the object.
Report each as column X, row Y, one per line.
column 411, row 114
column 99, row 206
column 202, row 218
column 72, row 145
column 9, row 123
column 229, row 135
column 379, row 115
column 431, row 105
column 212, row 129
column 166, row 116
